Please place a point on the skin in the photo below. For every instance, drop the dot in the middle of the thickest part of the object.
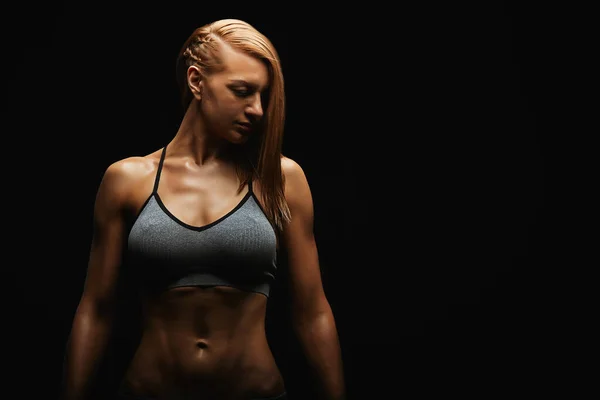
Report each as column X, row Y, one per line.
column 203, row 343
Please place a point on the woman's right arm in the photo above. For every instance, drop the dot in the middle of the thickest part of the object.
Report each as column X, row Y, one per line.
column 92, row 323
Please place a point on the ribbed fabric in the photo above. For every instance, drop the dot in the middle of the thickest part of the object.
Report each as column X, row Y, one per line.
column 238, row 250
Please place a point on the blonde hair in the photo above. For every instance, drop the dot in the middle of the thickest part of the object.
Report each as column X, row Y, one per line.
column 261, row 156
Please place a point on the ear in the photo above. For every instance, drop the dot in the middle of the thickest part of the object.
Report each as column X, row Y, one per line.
column 194, row 78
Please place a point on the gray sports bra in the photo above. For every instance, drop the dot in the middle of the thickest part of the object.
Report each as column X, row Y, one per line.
column 237, row 250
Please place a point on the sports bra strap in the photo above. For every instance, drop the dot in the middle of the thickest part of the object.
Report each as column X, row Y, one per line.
column 159, row 170
column 160, row 165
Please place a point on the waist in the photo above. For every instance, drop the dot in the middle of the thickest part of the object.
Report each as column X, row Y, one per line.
column 199, row 338
column 203, row 357
column 180, row 366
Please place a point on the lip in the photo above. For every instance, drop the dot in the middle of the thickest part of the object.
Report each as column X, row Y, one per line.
column 245, row 127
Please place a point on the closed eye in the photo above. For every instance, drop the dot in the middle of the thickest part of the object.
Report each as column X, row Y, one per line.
column 242, row 92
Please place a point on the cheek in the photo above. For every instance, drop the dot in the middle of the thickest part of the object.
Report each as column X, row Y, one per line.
column 226, row 107
column 230, row 110
column 231, row 106
column 219, row 113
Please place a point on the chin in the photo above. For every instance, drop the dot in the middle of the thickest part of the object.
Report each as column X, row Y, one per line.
column 237, row 139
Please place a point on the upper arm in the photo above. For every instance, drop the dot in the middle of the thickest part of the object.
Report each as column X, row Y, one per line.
column 107, row 238
column 306, row 286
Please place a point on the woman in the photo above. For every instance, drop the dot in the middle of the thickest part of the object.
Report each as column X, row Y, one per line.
column 198, row 224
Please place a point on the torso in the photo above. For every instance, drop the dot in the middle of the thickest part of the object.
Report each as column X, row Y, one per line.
column 199, row 342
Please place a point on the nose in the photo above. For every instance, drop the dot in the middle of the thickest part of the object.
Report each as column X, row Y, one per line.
column 254, row 107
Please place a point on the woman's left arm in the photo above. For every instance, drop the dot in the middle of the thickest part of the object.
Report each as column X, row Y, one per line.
column 312, row 317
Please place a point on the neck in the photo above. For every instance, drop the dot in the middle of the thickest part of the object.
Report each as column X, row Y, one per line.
column 193, row 139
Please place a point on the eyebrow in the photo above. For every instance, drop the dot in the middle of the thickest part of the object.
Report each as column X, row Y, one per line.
column 246, row 83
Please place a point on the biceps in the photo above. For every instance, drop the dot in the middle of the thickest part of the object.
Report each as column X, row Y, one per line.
column 304, row 269
column 104, row 262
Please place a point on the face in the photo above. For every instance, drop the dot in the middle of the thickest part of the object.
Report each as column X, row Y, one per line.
column 231, row 100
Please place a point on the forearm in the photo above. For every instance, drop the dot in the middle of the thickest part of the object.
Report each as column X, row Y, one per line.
column 83, row 354
column 319, row 340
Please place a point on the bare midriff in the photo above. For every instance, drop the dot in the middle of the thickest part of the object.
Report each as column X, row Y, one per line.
column 204, row 343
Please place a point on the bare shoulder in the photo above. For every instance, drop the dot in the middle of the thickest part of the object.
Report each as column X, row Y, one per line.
column 126, row 180
column 297, row 188
column 290, row 167
column 124, row 173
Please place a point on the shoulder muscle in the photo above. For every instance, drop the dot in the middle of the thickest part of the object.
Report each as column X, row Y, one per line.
column 297, row 191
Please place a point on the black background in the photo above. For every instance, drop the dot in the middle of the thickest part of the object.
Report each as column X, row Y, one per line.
column 426, row 134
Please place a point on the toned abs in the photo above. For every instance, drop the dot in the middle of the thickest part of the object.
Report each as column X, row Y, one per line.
column 204, row 342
